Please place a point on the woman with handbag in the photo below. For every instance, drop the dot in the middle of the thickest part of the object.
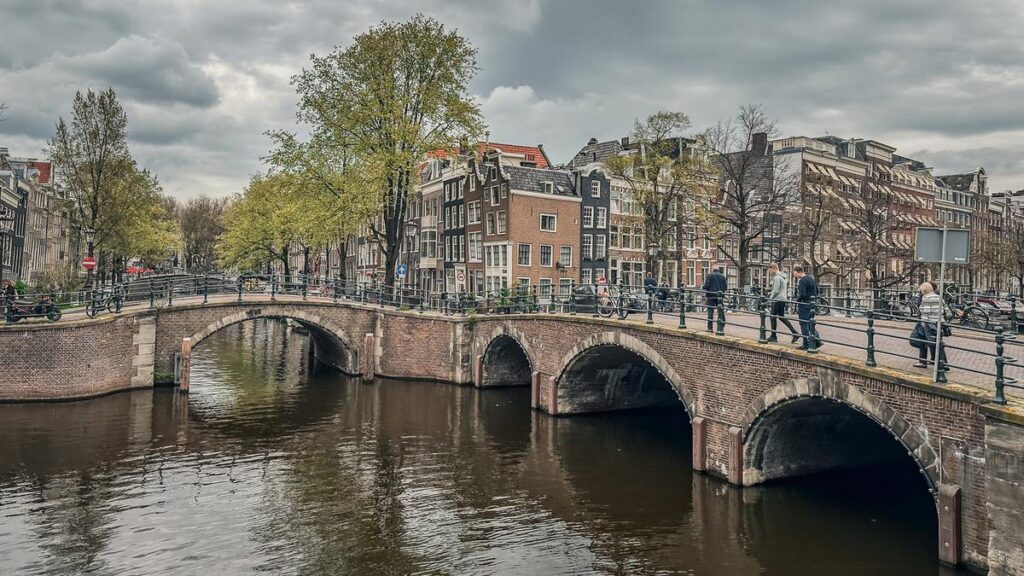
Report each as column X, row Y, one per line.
column 923, row 336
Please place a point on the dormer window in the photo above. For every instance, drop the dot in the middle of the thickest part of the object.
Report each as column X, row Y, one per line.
column 548, row 187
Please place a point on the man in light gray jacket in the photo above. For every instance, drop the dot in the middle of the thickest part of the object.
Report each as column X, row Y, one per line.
column 779, row 297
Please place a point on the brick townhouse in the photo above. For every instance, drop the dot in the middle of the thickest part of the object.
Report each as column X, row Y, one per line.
column 530, row 219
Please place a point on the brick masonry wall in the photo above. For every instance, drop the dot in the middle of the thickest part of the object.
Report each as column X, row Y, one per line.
column 73, row 360
column 728, row 382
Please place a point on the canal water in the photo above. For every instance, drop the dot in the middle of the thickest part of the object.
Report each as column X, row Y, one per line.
column 275, row 466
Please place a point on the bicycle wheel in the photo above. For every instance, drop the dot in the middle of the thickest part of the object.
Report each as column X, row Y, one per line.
column 976, row 317
column 821, row 307
column 605, row 307
column 91, row 310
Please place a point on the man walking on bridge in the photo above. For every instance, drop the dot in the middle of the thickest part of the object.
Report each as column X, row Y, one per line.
column 779, row 297
column 806, row 297
column 714, row 287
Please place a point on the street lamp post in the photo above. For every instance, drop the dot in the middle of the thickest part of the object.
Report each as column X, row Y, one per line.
column 90, row 235
column 652, row 251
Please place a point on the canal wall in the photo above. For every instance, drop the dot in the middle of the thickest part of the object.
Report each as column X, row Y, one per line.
column 748, row 402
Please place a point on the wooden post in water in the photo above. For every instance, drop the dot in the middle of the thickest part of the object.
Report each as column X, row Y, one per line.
column 186, row 353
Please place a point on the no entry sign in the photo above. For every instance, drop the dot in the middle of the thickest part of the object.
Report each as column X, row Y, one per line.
column 88, row 262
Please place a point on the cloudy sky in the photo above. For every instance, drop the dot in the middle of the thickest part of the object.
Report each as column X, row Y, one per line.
column 942, row 80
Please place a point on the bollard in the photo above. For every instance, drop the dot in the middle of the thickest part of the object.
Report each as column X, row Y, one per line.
column 812, row 342
column 621, row 305
column 1013, row 314
column 152, row 295
column 682, row 311
column 273, row 287
column 871, row 339
column 1000, row 397
column 848, row 314
column 239, row 286
column 650, row 307
column 572, row 298
column 721, row 314
column 170, row 293
column 462, row 302
column 762, row 335
column 206, row 287
column 940, row 350
column 305, row 280
column 334, row 290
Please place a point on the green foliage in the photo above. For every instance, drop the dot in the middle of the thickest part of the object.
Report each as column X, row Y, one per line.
column 375, row 109
column 259, row 225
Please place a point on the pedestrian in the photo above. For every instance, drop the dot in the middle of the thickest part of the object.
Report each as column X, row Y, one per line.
column 9, row 291
column 714, row 287
column 924, row 335
column 650, row 284
column 806, row 296
column 779, row 298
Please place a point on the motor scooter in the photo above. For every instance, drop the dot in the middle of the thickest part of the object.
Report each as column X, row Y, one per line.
column 43, row 308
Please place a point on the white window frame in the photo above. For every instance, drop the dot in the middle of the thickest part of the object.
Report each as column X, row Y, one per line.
column 587, row 247
column 595, row 188
column 473, row 209
column 569, row 265
column 551, row 255
column 548, row 187
column 529, row 254
column 554, row 221
column 490, row 219
column 602, row 218
column 600, row 247
column 501, row 222
column 588, row 217
column 492, row 194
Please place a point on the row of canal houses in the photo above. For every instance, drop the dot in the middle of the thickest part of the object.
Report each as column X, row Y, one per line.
column 504, row 216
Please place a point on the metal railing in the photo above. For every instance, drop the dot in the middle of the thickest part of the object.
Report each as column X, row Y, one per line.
column 683, row 308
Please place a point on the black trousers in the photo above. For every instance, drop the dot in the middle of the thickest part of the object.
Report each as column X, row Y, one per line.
column 805, row 311
column 712, row 306
column 779, row 314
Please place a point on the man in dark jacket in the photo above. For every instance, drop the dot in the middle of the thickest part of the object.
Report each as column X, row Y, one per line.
column 650, row 284
column 714, row 287
column 806, row 296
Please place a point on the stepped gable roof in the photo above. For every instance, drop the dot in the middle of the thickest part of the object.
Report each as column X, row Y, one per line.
column 532, row 180
column 596, row 151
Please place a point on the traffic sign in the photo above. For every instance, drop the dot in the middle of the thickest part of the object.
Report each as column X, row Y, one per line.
column 402, row 270
column 88, row 262
column 461, row 276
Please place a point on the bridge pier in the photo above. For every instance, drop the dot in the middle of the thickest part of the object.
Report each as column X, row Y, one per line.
column 949, row 524
column 186, row 363
column 369, row 348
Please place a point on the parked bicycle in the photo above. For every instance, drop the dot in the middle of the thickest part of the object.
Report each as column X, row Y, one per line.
column 111, row 299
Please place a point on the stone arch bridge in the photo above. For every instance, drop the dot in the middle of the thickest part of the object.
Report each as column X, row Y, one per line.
column 758, row 412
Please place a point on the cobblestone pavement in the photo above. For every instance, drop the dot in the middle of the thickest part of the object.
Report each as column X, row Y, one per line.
column 971, row 354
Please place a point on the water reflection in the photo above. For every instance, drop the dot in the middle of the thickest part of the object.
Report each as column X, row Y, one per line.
column 272, row 465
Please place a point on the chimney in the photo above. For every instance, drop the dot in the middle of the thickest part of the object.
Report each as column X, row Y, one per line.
column 625, row 141
column 592, row 141
column 759, row 144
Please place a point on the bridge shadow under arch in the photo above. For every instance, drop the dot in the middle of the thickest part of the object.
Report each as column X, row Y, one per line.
column 804, row 431
column 616, row 372
column 505, row 362
column 330, row 344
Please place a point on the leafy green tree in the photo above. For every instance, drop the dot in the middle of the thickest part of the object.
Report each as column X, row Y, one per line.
column 399, row 91
column 259, row 226
column 91, row 157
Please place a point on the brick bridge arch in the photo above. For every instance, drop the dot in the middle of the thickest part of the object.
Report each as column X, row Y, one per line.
column 332, row 344
column 503, row 357
column 777, row 426
column 611, row 341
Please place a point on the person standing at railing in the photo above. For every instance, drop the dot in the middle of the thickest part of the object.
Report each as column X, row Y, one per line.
column 923, row 336
column 650, row 284
column 806, row 295
column 9, row 290
column 714, row 287
column 779, row 298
